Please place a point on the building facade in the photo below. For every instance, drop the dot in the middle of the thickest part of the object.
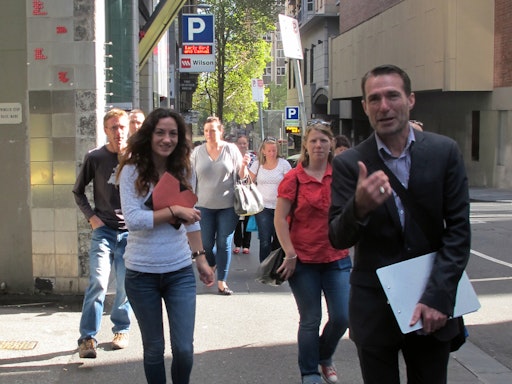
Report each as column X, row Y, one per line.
column 456, row 52
column 64, row 63
column 318, row 23
column 458, row 56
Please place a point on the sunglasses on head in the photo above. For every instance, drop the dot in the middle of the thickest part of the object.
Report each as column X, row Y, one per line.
column 317, row 121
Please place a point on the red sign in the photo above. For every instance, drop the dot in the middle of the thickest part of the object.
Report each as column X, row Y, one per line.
column 39, row 55
column 186, row 63
column 63, row 77
column 38, row 8
column 197, row 49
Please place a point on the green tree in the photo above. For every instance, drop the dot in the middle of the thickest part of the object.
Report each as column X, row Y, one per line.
column 241, row 55
column 277, row 95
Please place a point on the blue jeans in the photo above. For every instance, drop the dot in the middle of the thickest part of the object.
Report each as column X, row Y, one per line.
column 178, row 291
column 307, row 284
column 107, row 248
column 266, row 232
column 217, row 229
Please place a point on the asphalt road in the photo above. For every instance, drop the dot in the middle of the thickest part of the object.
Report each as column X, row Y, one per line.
column 490, row 270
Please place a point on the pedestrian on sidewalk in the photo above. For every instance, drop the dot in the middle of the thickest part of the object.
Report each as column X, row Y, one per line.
column 159, row 255
column 108, row 238
column 217, row 164
column 267, row 172
column 136, row 117
column 341, row 144
column 242, row 237
column 400, row 194
column 312, row 266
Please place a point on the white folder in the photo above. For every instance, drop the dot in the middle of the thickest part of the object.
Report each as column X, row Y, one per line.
column 405, row 282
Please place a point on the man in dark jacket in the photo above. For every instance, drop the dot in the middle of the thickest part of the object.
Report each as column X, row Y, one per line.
column 368, row 213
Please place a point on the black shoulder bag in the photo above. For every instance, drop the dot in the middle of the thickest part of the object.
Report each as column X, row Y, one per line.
column 267, row 270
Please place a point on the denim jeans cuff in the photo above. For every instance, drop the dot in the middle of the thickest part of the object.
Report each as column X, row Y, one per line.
column 311, row 379
column 326, row 362
column 87, row 338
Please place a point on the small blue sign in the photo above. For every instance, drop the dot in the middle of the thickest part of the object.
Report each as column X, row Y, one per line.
column 291, row 113
column 197, row 28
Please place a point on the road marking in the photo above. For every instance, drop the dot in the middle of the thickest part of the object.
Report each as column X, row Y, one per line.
column 18, row 345
column 491, row 279
column 497, row 261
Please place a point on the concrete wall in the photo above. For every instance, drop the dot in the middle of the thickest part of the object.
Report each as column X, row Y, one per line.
column 66, row 102
column 52, row 60
column 457, row 53
column 355, row 12
column 15, row 220
column 443, row 44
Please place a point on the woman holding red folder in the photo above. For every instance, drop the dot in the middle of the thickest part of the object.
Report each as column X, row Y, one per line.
column 162, row 243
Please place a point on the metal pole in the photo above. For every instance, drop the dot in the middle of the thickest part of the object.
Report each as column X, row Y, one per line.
column 135, row 47
column 300, row 94
column 260, row 112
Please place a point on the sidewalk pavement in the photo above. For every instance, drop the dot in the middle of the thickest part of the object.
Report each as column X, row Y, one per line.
column 249, row 337
column 490, row 194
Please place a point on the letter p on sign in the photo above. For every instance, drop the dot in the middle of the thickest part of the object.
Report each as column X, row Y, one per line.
column 198, row 29
column 196, row 25
column 292, row 113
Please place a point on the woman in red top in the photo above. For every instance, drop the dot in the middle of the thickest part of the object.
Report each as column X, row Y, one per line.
column 311, row 265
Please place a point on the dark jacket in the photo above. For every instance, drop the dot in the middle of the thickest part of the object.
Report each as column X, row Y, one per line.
column 438, row 186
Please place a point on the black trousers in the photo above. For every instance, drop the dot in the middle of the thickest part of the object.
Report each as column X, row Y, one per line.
column 242, row 238
column 426, row 360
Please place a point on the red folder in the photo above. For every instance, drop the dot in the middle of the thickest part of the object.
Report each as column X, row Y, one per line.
column 168, row 191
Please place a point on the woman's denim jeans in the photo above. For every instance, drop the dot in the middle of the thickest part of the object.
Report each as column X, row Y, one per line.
column 307, row 284
column 178, row 291
column 266, row 232
column 107, row 248
column 217, row 229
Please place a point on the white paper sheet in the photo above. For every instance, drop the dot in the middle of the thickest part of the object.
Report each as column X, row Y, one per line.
column 405, row 282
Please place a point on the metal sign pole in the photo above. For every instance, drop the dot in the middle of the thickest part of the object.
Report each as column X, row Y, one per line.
column 260, row 112
column 292, row 48
column 300, row 94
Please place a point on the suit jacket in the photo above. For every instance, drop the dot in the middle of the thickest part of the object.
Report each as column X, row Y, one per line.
column 438, row 185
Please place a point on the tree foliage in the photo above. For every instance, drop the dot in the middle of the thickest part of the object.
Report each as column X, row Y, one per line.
column 241, row 55
column 277, row 95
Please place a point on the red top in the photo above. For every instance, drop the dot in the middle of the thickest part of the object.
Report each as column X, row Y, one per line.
column 309, row 229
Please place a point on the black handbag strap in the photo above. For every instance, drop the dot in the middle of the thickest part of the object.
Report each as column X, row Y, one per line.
column 294, row 204
column 375, row 162
column 418, row 215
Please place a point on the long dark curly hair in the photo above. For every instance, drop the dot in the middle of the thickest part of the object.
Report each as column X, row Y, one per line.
column 139, row 152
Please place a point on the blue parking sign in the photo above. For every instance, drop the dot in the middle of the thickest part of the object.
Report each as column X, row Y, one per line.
column 198, row 28
column 291, row 113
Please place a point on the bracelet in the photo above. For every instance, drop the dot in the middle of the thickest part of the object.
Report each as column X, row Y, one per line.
column 198, row 253
column 172, row 213
column 290, row 258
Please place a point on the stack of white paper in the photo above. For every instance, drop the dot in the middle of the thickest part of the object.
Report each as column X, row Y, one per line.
column 405, row 282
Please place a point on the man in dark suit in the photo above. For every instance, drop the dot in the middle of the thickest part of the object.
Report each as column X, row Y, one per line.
column 385, row 228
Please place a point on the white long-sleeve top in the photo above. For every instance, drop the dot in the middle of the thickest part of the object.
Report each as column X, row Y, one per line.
column 150, row 248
